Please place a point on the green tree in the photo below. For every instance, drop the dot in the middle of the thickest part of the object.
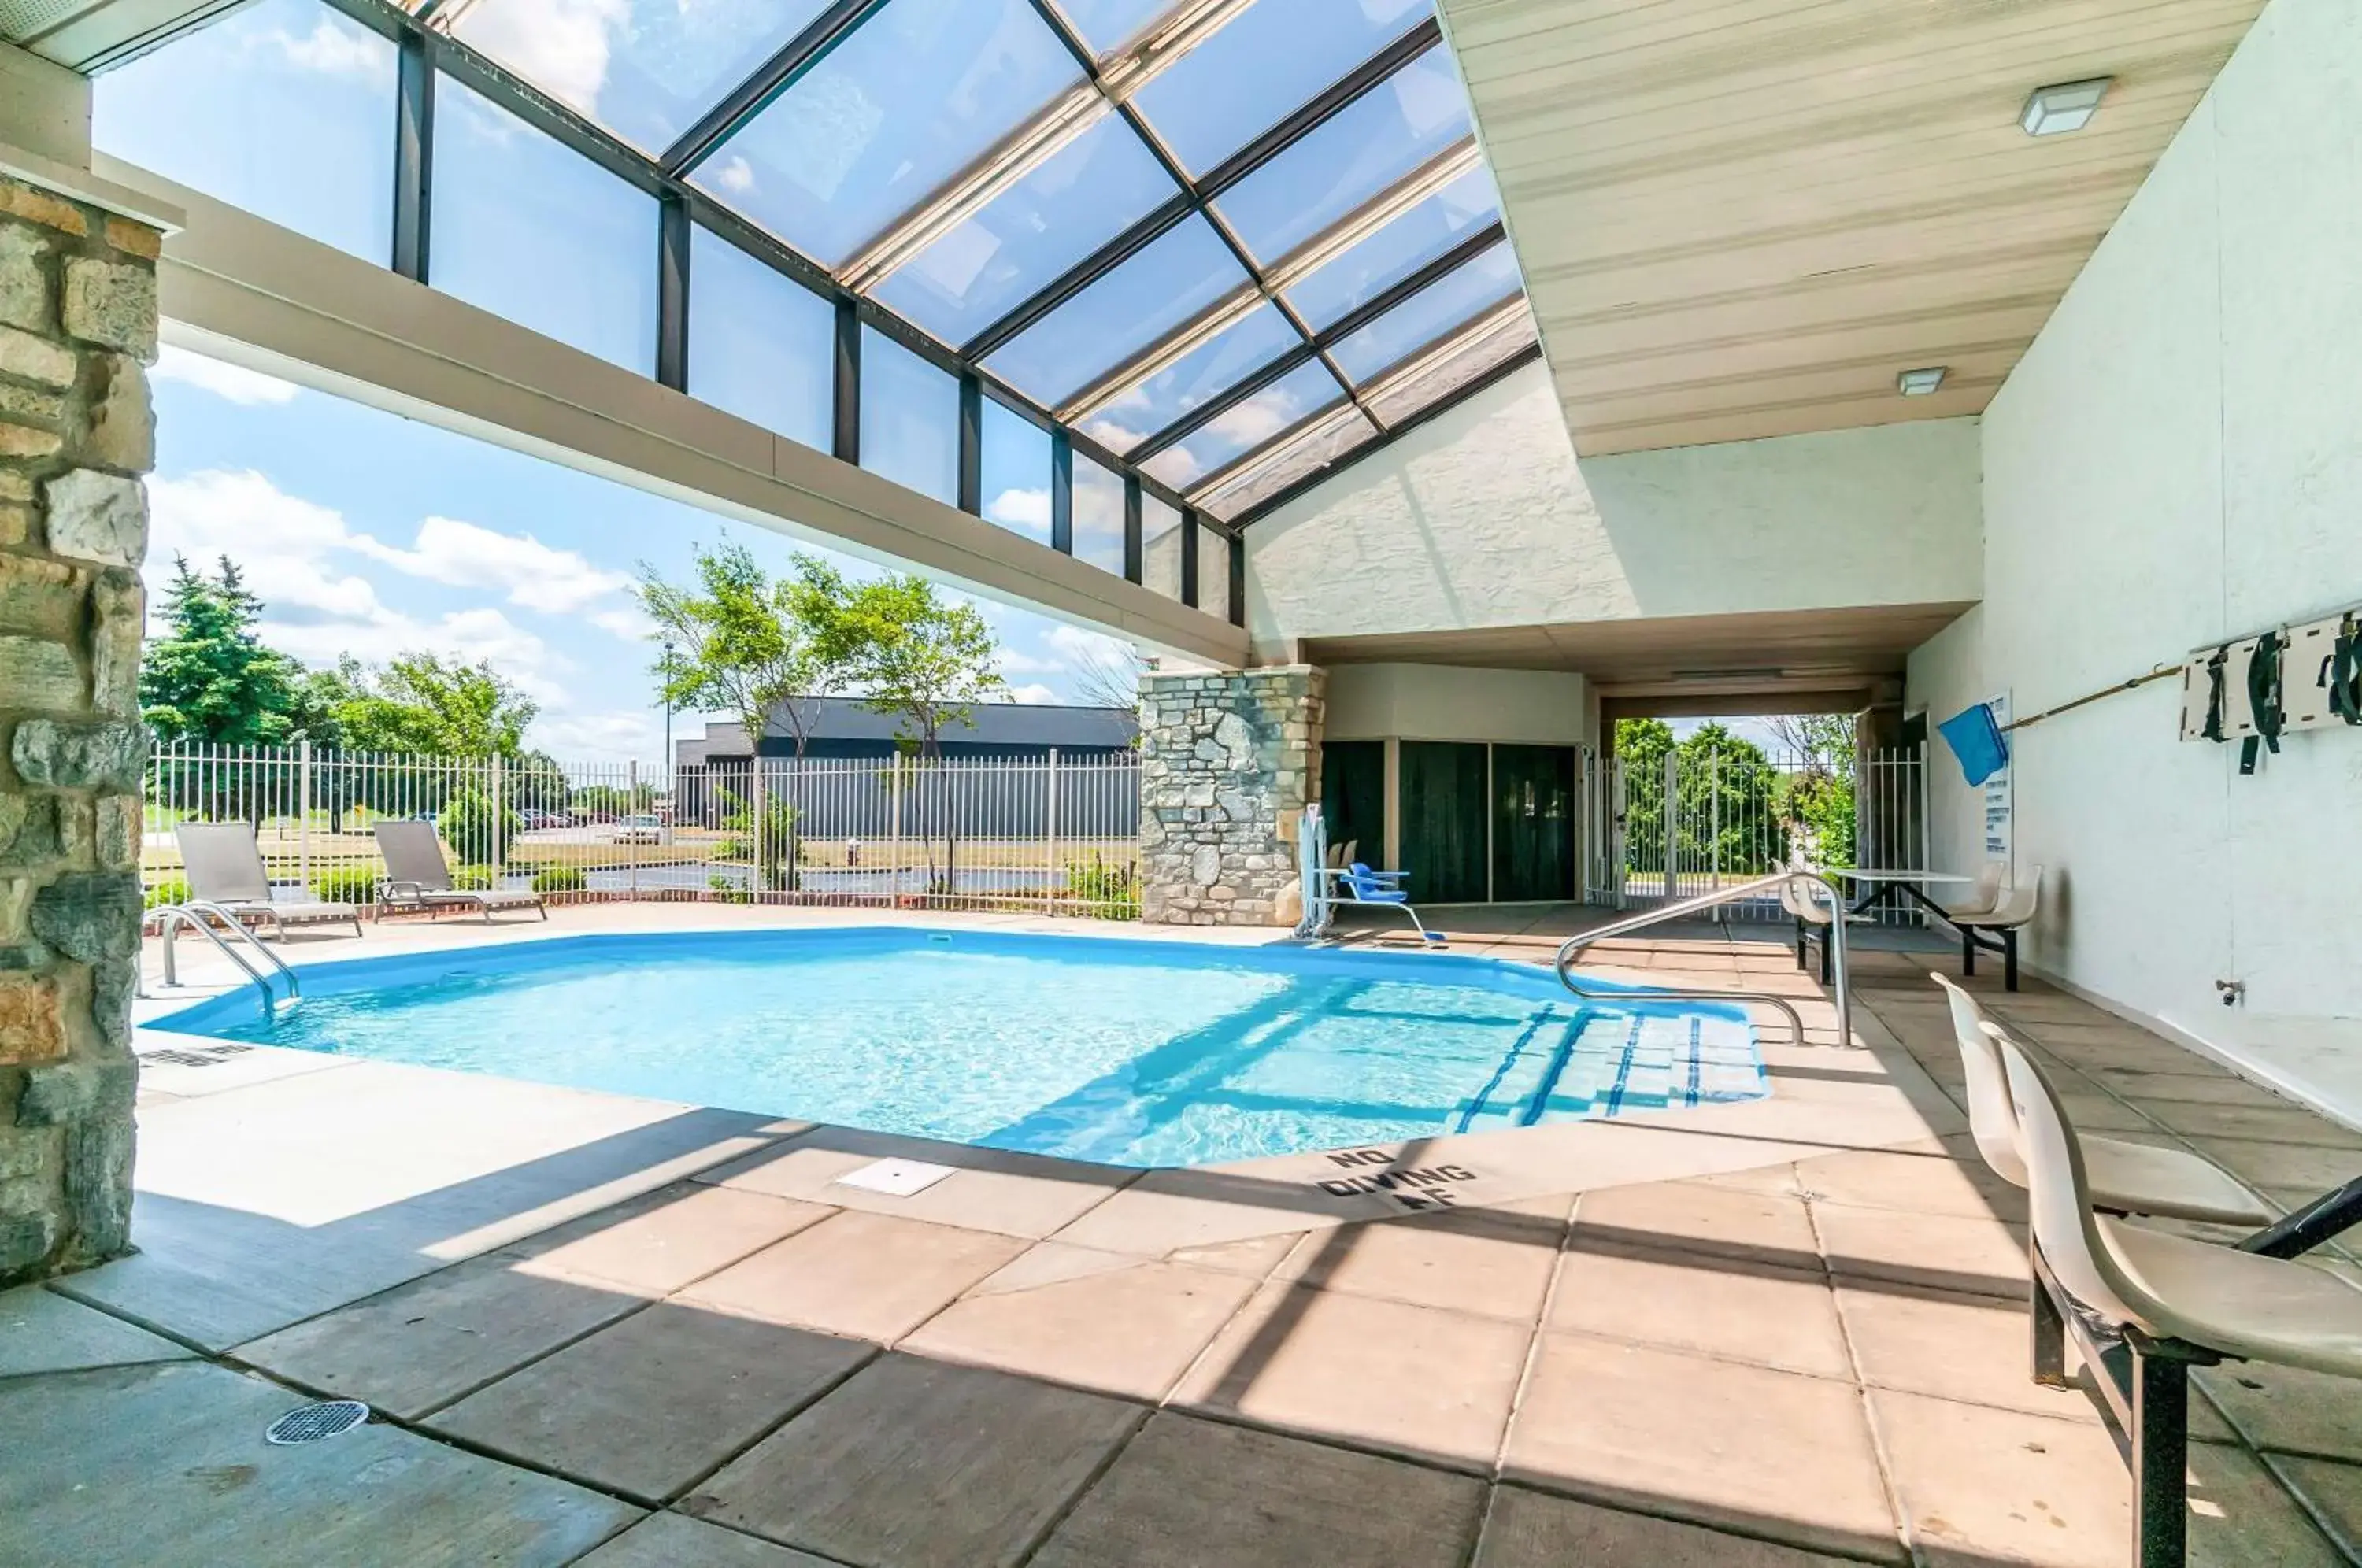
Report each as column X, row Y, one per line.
column 211, row 679
column 1820, row 796
column 426, row 704
column 927, row 661
column 747, row 646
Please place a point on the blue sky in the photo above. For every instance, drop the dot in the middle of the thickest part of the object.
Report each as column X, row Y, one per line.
column 368, row 534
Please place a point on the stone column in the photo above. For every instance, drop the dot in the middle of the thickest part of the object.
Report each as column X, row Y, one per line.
column 1228, row 763
column 77, row 322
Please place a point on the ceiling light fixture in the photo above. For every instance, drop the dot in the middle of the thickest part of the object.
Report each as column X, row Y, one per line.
column 1919, row 383
column 2063, row 106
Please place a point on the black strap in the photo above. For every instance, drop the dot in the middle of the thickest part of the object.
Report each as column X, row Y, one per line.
column 2213, row 729
column 2343, row 676
column 2264, row 690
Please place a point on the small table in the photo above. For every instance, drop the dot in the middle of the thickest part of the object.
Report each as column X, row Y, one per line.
column 1887, row 885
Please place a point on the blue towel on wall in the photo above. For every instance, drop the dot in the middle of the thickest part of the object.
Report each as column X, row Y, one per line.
column 1977, row 740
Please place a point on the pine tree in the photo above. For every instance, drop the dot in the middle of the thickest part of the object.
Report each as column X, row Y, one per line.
column 210, row 679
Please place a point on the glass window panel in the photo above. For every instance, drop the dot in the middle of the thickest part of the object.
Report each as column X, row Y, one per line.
column 645, row 71
column 1397, row 250
column 1212, row 368
column 284, row 108
column 1265, row 66
column 1106, row 24
column 1214, row 573
column 1098, row 515
column 909, row 419
column 1384, row 134
column 915, row 94
column 1160, row 546
column 1084, row 196
column 1174, row 278
column 1428, row 315
column 1016, row 472
column 1246, row 425
column 1446, row 373
column 760, row 345
column 530, row 229
column 1318, row 443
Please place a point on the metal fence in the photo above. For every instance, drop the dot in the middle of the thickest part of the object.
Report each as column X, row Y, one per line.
column 1041, row 833
column 1656, row 833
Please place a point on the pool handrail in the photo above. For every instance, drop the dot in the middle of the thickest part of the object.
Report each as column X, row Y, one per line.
column 194, row 913
column 1565, row 965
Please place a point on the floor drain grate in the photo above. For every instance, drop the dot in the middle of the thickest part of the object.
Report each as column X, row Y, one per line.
column 310, row 1423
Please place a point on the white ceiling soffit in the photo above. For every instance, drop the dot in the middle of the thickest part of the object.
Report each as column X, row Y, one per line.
column 1742, row 218
column 87, row 34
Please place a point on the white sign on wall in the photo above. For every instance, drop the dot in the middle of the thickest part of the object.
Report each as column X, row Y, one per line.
column 1997, row 793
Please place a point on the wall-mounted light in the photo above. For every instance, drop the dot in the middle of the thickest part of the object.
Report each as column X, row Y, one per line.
column 2063, row 106
column 1919, row 383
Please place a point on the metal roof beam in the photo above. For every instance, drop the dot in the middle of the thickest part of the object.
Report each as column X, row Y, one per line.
column 776, row 76
column 1197, row 195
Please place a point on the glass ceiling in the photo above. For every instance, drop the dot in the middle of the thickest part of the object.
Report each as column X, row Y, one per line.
column 1230, row 241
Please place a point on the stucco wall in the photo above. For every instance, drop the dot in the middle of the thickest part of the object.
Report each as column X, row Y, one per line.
column 1484, row 518
column 2178, row 460
column 1434, row 702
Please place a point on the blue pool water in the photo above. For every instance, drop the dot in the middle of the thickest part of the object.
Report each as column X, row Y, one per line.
column 1128, row 1053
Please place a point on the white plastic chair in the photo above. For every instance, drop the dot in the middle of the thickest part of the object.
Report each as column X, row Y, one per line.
column 1981, row 898
column 1997, row 929
column 2126, row 1179
column 1812, row 917
column 2174, row 1302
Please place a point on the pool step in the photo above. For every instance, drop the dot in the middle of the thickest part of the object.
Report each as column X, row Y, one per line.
column 1603, row 1063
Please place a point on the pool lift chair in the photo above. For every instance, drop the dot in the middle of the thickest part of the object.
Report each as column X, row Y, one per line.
column 2145, row 1306
column 1383, row 890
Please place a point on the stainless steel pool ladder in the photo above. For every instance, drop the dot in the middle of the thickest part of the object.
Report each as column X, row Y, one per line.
column 195, row 912
column 1658, row 916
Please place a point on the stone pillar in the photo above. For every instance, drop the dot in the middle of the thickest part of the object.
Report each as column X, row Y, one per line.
column 1228, row 763
column 77, row 322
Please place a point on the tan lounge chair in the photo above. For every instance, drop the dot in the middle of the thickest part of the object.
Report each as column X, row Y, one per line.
column 2125, row 1178
column 416, row 877
column 2145, row 1306
column 225, row 867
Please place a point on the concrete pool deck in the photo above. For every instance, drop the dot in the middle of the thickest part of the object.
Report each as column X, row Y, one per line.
column 623, row 1331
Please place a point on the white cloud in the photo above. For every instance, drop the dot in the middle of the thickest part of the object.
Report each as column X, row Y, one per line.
column 628, row 624
column 560, row 46
column 735, row 175
column 1035, row 692
column 335, row 47
column 234, row 383
column 525, row 571
column 1017, row 661
column 283, row 542
column 1077, row 646
column 1020, row 508
column 616, row 735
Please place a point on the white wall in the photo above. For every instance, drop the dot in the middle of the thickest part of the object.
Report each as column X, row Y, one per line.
column 1483, row 518
column 2178, row 460
column 1434, row 702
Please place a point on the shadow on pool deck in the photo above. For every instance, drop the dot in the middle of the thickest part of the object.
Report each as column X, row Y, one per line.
column 657, row 1314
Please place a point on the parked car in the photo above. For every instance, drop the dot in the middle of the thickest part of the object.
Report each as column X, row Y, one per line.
column 640, row 829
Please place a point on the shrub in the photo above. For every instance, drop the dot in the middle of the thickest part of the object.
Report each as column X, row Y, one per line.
column 561, row 880
column 1108, row 890
column 473, row 878
column 467, row 824
column 346, row 884
column 171, row 890
column 727, row 891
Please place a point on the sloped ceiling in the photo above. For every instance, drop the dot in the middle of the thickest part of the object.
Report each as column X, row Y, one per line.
column 1742, row 218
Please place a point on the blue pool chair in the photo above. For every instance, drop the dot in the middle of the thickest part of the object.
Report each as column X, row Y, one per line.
column 1383, row 890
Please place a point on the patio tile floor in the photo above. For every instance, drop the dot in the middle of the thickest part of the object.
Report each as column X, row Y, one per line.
column 1718, row 1366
